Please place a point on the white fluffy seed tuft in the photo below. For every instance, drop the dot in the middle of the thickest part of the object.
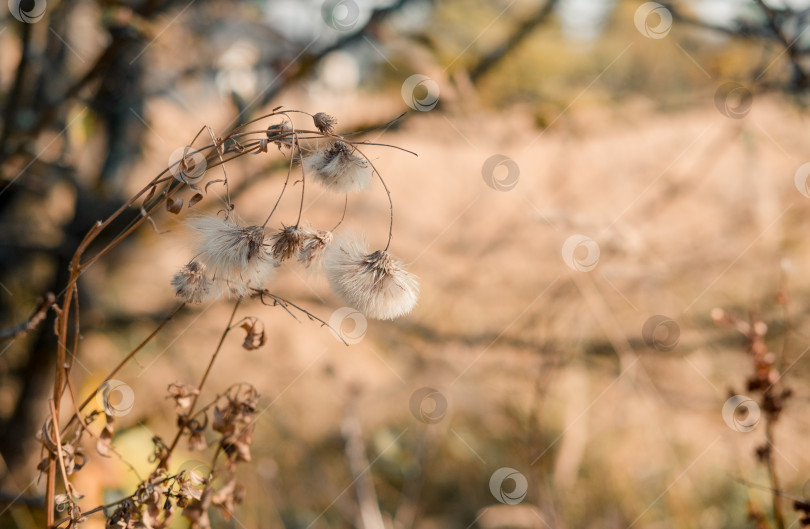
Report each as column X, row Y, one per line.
column 376, row 284
column 234, row 256
column 338, row 169
column 313, row 246
column 192, row 285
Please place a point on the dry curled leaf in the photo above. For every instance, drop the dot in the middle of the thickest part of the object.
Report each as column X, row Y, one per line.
column 234, row 420
column 196, row 198
column 174, row 205
column 183, row 395
column 213, row 182
column 255, row 336
column 233, row 493
column 104, row 442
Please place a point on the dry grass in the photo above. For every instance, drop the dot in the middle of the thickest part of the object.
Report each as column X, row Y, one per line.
column 690, row 211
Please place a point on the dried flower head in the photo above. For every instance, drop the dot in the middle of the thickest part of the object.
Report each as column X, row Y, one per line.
column 234, row 255
column 193, row 286
column 280, row 134
column 376, row 284
column 312, row 247
column 324, row 122
column 287, row 242
column 339, row 169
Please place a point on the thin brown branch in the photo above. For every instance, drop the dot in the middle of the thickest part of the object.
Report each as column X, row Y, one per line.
column 39, row 313
column 228, row 328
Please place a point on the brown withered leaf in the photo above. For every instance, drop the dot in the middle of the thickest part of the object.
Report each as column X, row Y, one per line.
column 73, row 457
column 197, row 510
column 197, row 442
column 104, row 442
column 233, row 493
column 160, row 453
column 174, row 205
column 255, row 336
column 193, row 200
column 183, row 395
column 191, row 485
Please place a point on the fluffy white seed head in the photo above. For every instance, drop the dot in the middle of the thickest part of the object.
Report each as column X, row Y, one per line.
column 338, row 169
column 193, row 286
column 376, row 284
column 313, row 246
column 235, row 256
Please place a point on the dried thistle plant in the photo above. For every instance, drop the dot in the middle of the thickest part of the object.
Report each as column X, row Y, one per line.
column 232, row 259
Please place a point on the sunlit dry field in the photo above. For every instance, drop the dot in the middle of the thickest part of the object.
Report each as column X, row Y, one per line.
column 604, row 280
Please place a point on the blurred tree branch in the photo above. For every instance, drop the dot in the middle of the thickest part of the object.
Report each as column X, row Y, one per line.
column 771, row 29
column 21, row 329
column 526, row 28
